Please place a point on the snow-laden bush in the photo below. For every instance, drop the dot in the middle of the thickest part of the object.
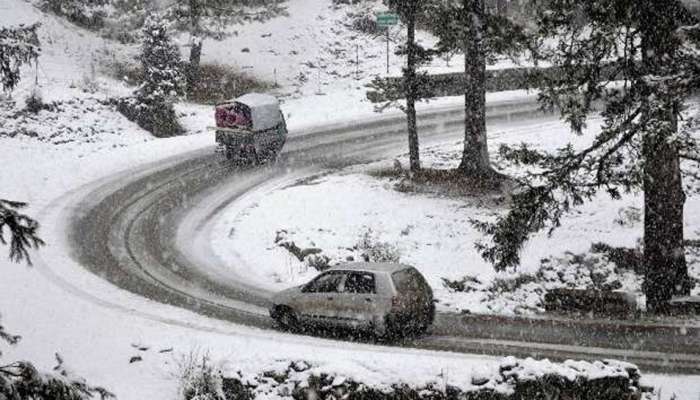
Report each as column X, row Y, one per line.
column 86, row 13
column 34, row 101
column 523, row 293
column 510, row 379
column 374, row 250
column 199, row 380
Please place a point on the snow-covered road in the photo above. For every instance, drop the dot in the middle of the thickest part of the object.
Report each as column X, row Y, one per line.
column 147, row 232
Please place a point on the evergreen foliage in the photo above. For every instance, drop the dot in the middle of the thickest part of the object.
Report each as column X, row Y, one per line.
column 466, row 27
column 160, row 59
column 18, row 46
column 152, row 105
column 22, row 230
column 654, row 48
column 21, row 380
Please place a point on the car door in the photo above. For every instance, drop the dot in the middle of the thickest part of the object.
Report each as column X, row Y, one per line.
column 317, row 298
column 356, row 304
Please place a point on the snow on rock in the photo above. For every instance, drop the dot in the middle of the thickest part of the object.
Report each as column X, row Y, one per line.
column 509, row 377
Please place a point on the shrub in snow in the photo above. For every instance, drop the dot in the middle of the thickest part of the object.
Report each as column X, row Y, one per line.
column 628, row 216
column 524, row 292
column 20, row 380
column 365, row 21
column 374, row 250
column 86, row 13
column 282, row 240
column 319, row 262
column 198, row 378
column 217, row 82
column 33, row 102
column 152, row 104
column 509, row 380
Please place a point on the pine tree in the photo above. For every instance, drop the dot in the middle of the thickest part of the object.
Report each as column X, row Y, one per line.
column 653, row 49
column 152, row 107
column 409, row 12
column 467, row 26
column 18, row 46
column 161, row 64
column 211, row 18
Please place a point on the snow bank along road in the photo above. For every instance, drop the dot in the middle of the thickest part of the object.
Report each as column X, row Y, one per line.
column 143, row 232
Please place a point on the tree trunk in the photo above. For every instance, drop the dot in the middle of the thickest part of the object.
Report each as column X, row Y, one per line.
column 193, row 65
column 664, row 257
column 411, row 90
column 192, row 75
column 475, row 156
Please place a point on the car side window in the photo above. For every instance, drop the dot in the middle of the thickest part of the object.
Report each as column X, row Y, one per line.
column 360, row 282
column 327, row 283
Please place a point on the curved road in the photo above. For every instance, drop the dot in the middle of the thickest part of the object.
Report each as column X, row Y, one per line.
column 138, row 233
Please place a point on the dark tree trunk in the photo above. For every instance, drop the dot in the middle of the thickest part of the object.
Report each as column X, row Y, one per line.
column 664, row 256
column 192, row 74
column 411, row 89
column 193, row 65
column 475, row 156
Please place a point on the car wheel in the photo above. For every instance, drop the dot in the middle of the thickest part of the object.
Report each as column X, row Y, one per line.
column 393, row 330
column 287, row 319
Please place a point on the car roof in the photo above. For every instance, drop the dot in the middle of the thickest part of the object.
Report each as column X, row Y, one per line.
column 370, row 267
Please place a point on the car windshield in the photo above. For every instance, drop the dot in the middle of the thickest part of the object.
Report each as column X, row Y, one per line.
column 350, row 199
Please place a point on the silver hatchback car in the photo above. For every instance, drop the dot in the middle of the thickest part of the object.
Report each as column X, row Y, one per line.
column 387, row 298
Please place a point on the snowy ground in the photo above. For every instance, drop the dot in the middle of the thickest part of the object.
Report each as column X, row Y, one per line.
column 57, row 306
column 431, row 231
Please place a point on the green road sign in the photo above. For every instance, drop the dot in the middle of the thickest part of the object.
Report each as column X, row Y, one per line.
column 386, row 19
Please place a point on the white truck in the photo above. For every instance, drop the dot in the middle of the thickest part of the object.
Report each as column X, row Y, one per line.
column 250, row 128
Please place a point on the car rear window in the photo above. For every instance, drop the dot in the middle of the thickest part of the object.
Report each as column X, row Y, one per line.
column 360, row 282
column 408, row 280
